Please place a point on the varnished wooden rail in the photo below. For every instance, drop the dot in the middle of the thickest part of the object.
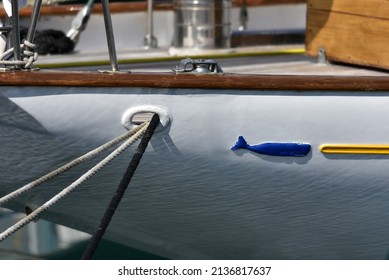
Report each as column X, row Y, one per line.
column 298, row 83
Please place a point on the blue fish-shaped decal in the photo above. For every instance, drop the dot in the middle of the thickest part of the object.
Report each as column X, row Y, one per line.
column 275, row 149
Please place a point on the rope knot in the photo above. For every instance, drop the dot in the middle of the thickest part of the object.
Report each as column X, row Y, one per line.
column 29, row 56
column 30, row 53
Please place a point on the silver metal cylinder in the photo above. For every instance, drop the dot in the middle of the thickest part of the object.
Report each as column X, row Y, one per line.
column 202, row 24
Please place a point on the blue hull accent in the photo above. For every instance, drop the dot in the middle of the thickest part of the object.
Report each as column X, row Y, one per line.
column 287, row 149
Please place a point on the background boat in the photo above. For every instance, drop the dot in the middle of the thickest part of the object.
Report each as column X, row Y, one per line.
column 266, row 23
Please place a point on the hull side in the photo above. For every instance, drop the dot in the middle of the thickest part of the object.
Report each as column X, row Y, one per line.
column 192, row 197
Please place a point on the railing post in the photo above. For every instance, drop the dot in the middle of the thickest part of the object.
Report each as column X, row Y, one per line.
column 110, row 37
column 15, row 32
column 150, row 41
column 34, row 20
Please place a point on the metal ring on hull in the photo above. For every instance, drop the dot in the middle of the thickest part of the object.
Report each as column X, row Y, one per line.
column 162, row 112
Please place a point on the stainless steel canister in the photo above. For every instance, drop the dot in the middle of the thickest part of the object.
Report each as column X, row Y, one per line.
column 202, row 24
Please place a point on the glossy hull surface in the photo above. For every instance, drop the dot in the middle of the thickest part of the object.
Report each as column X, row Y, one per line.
column 192, row 196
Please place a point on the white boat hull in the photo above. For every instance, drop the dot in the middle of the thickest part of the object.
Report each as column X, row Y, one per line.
column 193, row 197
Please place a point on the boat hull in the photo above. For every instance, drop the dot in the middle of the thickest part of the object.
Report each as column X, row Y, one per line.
column 192, row 196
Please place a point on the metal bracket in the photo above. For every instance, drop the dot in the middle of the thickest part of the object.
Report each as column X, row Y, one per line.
column 321, row 56
column 198, row 66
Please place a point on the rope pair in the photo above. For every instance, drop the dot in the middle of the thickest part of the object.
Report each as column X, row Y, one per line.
column 130, row 137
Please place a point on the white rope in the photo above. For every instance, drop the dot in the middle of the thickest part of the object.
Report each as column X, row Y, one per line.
column 34, row 215
column 30, row 55
column 70, row 165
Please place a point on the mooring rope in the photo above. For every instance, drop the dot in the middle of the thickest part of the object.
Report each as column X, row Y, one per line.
column 70, row 165
column 34, row 214
column 117, row 197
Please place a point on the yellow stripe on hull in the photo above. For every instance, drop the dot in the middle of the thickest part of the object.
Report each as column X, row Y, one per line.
column 371, row 149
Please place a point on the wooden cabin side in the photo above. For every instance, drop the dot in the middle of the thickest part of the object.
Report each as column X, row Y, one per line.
column 350, row 31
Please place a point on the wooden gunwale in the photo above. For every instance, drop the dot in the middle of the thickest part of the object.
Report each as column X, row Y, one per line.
column 138, row 6
column 212, row 81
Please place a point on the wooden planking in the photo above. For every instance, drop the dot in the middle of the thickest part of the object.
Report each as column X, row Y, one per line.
column 213, row 81
column 349, row 38
column 368, row 8
column 135, row 6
